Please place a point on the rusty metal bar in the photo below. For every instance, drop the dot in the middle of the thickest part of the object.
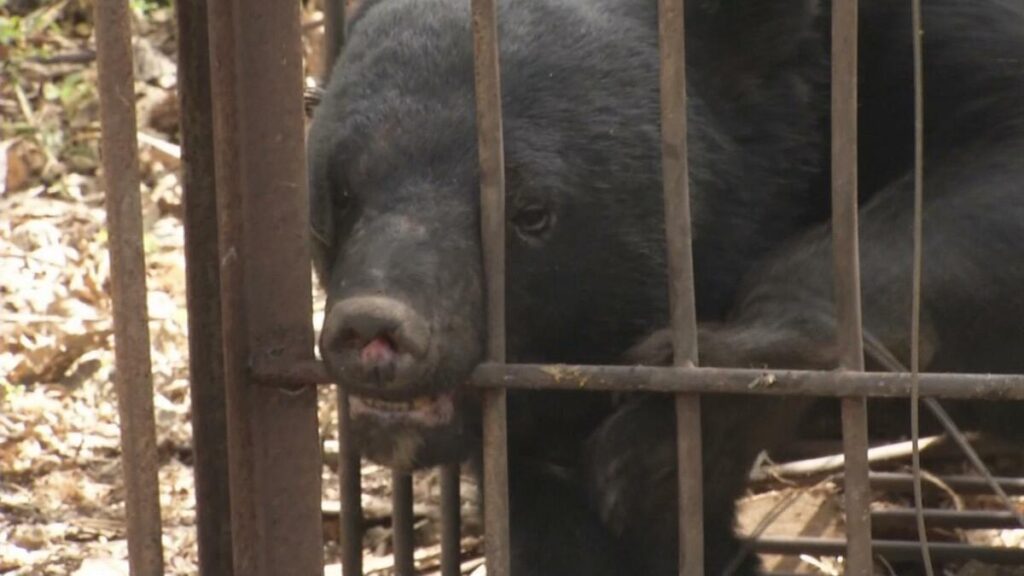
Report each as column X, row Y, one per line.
column 915, row 315
column 972, row 456
column 266, row 292
column 334, row 35
column 496, row 509
column 695, row 380
column 894, row 481
column 847, row 279
column 747, row 381
column 202, row 287
column 451, row 506
column 966, row 519
column 401, row 523
column 857, row 489
column 349, row 469
column 486, row 70
column 133, row 375
column 675, row 176
column 349, row 474
column 891, row 549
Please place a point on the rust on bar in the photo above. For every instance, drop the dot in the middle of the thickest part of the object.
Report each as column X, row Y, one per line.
column 401, row 523
column 266, row 292
column 695, row 380
column 451, row 504
column 492, row 170
column 202, row 287
column 748, row 381
column 349, row 474
column 486, row 71
column 675, row 176
column 847, row 279
column 133, row 375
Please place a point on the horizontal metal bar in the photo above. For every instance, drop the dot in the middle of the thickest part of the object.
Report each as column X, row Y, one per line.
column 890, row 549
column 695, row 380
column 895, row 481
column 967, row 519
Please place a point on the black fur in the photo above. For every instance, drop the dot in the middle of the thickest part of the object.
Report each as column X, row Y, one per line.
column 394, row 185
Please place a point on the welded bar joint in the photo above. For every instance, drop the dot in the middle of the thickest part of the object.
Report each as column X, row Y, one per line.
column 266, row 293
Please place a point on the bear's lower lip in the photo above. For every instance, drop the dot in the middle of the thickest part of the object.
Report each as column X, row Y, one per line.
column 432, row 410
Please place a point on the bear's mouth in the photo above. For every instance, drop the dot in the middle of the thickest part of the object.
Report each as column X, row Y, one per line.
column 409, row 434
column 428, row 410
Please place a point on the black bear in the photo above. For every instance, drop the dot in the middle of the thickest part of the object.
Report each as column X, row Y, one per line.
column 394, row 194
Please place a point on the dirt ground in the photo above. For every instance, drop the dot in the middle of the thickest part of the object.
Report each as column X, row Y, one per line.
column 61, row 489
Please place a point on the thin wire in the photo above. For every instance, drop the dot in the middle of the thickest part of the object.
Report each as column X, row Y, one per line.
column 915, row 322
column 882, row 355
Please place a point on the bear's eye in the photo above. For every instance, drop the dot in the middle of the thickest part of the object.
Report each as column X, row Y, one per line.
column 532, row 220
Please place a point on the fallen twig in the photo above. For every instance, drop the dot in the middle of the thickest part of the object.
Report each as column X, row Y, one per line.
column 169, row 153
column 83, row 57
column 838, row 461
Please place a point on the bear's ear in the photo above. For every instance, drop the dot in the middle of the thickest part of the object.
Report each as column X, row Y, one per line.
column 751, row 36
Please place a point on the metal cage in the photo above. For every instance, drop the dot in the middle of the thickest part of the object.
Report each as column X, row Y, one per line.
column 251, row 343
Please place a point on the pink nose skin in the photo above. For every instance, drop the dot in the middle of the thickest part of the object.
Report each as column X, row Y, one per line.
column 378, row 352
column 375, row 342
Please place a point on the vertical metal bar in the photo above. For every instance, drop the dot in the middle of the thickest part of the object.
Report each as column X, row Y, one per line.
column 858, row 494
column 915, row 320
column 492, row 219
column 847, row 279
column 133, row 377
column 451, row 505
column 202, row 287
column 675, row 173
column 496, row 510
column 351, row 493
column 266, row 293
column 349, row 469
column 334, row 34
column 401, row 523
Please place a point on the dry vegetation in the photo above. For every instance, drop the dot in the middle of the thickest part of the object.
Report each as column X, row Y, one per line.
column 61, row 492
